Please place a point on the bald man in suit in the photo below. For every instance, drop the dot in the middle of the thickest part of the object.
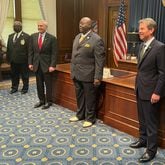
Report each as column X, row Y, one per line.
column 88, row 57
column 149, row 87
column 42, row 60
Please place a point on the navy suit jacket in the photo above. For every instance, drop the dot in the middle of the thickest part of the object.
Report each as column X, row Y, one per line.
column 151, row 71
column 46, row 56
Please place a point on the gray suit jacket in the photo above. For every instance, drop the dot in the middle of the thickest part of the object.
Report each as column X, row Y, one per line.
column 46, row 56
column 88, row 58
column 151, row 71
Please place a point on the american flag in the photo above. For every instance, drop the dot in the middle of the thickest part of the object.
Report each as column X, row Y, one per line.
column 119, row 38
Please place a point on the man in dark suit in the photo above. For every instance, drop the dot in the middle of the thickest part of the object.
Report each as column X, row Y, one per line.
column 17, row 56
column 88, row 57
column 150, row 87
column 42, row 60
column 2, row 52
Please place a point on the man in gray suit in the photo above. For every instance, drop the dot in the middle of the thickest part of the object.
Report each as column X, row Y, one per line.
column 88, row 57
column 42, row 60
column 150, row 87
column 17, row 56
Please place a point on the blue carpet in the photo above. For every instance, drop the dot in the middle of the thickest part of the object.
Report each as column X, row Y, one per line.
column 31, row 136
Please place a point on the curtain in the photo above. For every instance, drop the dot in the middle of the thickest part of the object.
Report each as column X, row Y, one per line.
column 48, row 10
column 147, row 8
column 4, row 4
column 31, row 13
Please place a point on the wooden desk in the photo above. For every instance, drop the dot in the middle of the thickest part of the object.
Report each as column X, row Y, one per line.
column 63, row 88
column 4, row 67
column 118, row 107
column 129, row 65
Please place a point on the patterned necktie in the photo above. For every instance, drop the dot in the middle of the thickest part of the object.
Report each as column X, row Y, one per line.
column 142, row 51
column 40, row 41
column 81, row 38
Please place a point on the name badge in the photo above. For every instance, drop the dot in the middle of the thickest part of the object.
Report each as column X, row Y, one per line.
column 22, row 42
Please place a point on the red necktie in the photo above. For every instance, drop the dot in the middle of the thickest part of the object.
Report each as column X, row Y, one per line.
column 40, row 41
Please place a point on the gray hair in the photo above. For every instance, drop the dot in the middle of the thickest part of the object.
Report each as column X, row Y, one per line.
column 151, row 24
column 43, row 22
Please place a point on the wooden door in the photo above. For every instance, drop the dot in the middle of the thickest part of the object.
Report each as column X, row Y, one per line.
column 113, row 12
column 112, row 17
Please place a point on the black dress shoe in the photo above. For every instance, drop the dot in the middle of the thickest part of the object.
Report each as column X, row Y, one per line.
column 38, row 104
column 23, row 92
column 13, row 91
column 138, row 144
column 46, row 106
column 146, row 157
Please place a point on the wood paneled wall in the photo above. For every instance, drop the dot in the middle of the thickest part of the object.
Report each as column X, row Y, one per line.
column 18, row 10
column 90, row 8
column 67, row 26
column 69, row 12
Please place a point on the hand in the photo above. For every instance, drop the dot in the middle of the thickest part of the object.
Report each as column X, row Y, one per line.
column 31, row 67
column 155, row 98
column 51, row 69
column 97, row 82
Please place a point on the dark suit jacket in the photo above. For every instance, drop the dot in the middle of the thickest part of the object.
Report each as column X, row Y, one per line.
column 1, row 57
column 151, row 71
column 88, row 58
column 45, row 57
column 17, row 52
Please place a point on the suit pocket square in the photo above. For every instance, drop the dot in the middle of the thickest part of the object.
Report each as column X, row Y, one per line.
column 87, row 45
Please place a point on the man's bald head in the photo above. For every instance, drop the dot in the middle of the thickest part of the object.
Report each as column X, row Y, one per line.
column 17, row 26
column 85, row 25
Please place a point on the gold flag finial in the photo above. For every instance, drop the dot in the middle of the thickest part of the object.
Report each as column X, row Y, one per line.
column 163, row 2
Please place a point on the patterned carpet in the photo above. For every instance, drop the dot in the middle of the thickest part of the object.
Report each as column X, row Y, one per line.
column 31, row 136
column 6, row 83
